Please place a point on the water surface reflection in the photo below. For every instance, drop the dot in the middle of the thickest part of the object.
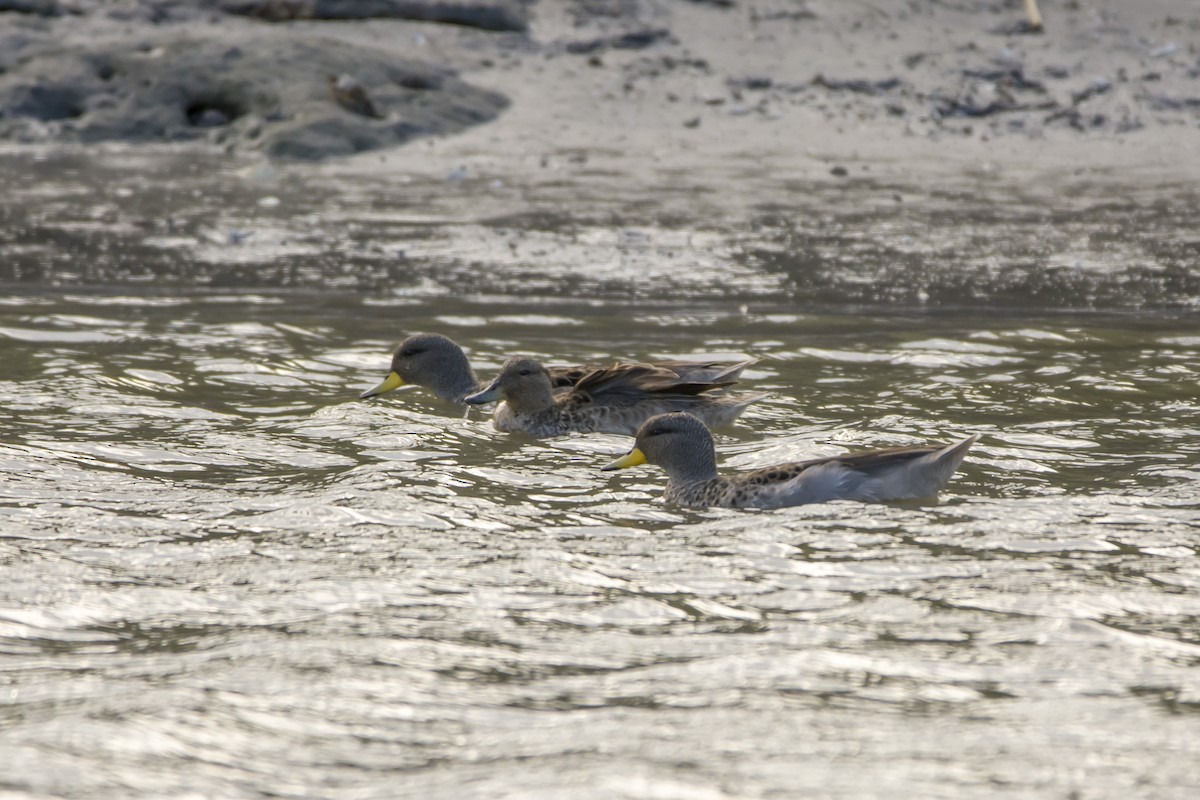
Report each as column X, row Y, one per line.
column 222, row 574
column 219, row 569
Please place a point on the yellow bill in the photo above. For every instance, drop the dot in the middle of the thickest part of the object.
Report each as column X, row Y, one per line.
column 392, row 381
column 630, row 459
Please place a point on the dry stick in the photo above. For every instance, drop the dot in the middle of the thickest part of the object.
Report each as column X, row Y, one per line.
column 1035, row 16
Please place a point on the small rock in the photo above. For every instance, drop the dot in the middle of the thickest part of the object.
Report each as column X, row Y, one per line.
column 350, row 95
column 210, row 118
column 839, row 172
column 1100, row 85
column 857, row 86
column 753, row 83
column 634, row 40
column 497, row 15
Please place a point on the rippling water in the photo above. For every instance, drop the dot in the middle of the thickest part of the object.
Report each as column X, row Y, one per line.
column 223, row 575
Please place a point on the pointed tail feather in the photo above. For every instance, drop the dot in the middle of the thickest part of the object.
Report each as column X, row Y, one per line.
column 953, row 454
column 727, row 372
column 923, row 476
column 941, row 465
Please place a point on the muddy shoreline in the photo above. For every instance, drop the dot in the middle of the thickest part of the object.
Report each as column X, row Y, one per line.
column 237, row 73
column 821, row 153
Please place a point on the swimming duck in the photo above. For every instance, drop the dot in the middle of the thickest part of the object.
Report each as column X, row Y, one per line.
column 616, row 399
column 683, row 447
column 438, row 363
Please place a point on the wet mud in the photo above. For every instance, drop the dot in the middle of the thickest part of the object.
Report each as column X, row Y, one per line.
column 1085, row 243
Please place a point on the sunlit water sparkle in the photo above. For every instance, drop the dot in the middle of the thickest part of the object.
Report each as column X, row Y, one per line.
column 223, row 575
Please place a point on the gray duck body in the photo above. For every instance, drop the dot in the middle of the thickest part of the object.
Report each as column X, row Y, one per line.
column 683, row 447
column 616, row 399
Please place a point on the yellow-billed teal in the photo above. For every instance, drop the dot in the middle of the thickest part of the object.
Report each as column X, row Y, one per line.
column 683, row 447
column 438, row 363
column 616, row 399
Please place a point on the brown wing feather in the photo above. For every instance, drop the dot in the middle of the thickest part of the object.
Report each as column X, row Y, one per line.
column 565, row 376
column 639, row 380
column 865, row 461
column 709, row 370
column 561, row 377
column 877, row 459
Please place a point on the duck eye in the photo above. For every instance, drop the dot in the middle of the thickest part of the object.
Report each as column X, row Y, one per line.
column 524, row 372
column 412, row 351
